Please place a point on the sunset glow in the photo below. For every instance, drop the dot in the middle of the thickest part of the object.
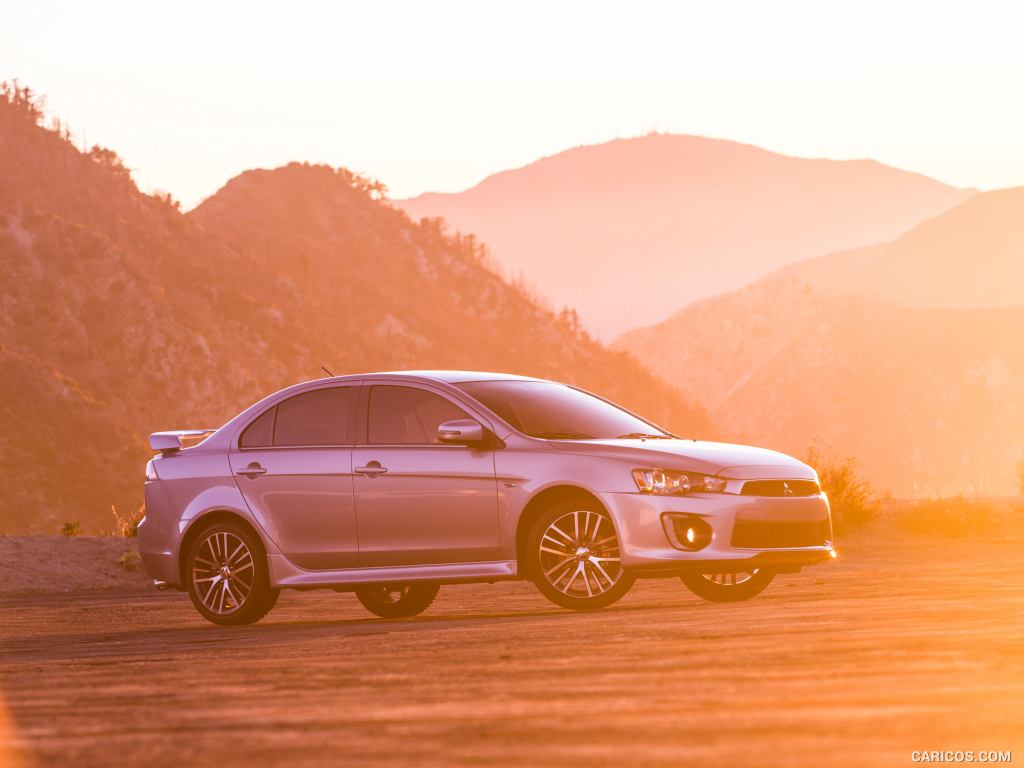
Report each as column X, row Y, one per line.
column 436, row 96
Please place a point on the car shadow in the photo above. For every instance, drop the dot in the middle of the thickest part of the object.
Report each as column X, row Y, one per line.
column 200, row 637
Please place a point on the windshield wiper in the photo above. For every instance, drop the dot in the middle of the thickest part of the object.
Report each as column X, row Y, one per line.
column 562, row 435
column 643, row 435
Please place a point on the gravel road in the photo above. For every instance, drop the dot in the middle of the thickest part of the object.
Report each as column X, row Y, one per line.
column 860, row 662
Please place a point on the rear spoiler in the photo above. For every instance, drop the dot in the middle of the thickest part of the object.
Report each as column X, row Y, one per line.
column 170, row 442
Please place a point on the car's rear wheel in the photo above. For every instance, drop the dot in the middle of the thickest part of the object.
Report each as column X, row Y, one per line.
column 574, row 557
column 397, row 601
column 227, row 576
column 728, row 587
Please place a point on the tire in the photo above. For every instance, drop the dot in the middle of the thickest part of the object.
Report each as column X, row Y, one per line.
column 397, row 601
column 728, row 587
column 573, row 556
column 226, row 575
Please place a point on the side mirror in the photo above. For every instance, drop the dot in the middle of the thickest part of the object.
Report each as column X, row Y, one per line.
column 461, row 431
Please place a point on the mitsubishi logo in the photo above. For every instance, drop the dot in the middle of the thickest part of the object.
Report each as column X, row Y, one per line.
column 786, row 490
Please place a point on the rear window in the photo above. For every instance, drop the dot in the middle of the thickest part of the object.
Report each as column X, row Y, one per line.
column 260, row 433
column 321, row 417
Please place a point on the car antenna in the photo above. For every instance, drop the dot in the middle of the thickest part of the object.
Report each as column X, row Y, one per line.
column 324, row 369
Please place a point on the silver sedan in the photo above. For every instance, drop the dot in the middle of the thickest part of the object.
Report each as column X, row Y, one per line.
column 392, row 484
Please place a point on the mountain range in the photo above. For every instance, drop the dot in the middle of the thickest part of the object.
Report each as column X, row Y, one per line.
column 970, row 257
column 120, row 315
column 629, row 231
column 908, row 356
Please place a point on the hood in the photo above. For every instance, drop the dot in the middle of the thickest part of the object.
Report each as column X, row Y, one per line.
column 740, row 462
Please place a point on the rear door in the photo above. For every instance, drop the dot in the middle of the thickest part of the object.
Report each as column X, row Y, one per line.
column 419, row 501
column 293, row 464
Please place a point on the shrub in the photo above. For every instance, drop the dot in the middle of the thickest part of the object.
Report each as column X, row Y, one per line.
column 110, row 160
column 956, row 516
column 130, row 561
column 71, row 528
column 852, row 499
column 127, row 526
column 23, row 99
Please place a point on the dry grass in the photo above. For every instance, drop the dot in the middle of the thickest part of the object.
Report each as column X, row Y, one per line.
column 854, row 503
column 127, row 526
column 956, row 516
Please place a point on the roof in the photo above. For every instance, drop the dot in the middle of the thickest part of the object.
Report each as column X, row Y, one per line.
column 457, row 377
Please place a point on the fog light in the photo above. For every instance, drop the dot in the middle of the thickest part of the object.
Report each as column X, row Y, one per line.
column 687, row 532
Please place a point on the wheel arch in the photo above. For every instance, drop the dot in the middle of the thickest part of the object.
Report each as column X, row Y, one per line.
column 535, row 507
column 204, row 521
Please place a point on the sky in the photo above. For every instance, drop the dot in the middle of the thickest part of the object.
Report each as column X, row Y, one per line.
column 435, row 96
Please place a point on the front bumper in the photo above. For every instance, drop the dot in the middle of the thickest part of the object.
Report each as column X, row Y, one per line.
column 645, row 546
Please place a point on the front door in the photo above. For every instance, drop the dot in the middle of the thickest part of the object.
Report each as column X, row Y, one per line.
column 419, row 501
column 293, row 464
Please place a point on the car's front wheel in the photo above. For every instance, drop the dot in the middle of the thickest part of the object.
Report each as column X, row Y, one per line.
column 227, row 576
column 574, row 557
column 397, row 601
column 728, row 587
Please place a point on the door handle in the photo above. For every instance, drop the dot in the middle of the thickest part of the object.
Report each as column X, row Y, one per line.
column 253, row 471
column 371, row 470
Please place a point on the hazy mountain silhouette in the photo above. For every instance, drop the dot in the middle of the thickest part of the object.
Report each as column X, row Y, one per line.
column 629, row 231
column 970, row 256
column 928, row 400
column 121, row 316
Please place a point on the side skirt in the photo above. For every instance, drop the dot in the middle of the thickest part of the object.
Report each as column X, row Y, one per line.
column 285, row 574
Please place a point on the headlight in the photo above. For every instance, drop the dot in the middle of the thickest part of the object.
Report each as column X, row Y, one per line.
column 671, row 482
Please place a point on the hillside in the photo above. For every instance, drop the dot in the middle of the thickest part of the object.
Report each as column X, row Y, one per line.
column 928, row 400
column 631, row 230
column 970, row 256
column 119, row 315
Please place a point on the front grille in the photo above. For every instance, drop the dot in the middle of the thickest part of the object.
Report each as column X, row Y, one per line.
column 761, row 534
column 780, row 488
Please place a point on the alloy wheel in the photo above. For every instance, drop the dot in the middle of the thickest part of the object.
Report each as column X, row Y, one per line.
column 223, row 573
column 388, row 594
column 579, row 554
column 396, row 601
column 731, row 579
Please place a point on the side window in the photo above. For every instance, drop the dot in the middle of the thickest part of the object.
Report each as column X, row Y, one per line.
column 260, row 433
column 320, row 417
column 408, row 416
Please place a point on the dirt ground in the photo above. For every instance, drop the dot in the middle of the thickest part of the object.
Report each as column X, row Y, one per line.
column 894, row 648
column 36, row 565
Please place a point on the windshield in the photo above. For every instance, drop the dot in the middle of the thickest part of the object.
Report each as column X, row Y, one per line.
column 557, row 412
